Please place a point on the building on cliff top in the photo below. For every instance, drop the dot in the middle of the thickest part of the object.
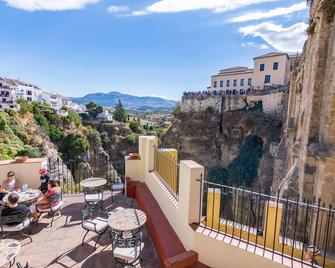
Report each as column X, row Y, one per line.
column 270, row 69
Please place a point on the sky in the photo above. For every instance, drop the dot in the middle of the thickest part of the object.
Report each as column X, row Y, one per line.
column 140, row 47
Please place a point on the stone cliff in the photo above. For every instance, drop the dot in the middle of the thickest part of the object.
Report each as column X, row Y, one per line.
column 308, row 147
column 215, row 140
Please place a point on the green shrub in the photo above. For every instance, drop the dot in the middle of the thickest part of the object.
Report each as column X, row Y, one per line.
column 3, row 121
column 130, row 139
column 74, row 146
column 176, row 110
column 135, row 126
column 209, row 110
column 243, row 169
column 29, row 151
column 55, row 133
column 218, row 175
column 25, row 107
column 105, row 138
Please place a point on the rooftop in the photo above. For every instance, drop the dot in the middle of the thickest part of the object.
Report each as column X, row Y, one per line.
column 271, row 54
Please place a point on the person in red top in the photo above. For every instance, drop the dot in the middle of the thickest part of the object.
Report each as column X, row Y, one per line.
column 50, row 199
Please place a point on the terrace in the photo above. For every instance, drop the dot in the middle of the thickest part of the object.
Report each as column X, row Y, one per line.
column 191, row 222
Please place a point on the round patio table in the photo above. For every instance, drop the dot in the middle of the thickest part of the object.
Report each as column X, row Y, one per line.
column 9, row 248
column 93, row 182
column 128, row 219
column 26, row 197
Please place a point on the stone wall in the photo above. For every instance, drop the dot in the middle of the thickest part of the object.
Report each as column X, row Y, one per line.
column 272, row 103
column 310, row 124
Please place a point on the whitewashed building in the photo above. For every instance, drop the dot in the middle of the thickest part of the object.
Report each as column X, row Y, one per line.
column 105, row 116
column 7, row 98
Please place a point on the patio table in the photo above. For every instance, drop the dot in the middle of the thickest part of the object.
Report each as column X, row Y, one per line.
column 93, row 182
column 9, row 248
column 128, row 219
column 27, row 197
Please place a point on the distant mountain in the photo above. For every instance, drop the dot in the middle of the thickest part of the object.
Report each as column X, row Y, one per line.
column 109, row 100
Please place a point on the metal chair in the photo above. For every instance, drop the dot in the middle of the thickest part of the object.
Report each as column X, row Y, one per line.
column 116, row 184
column 94, row 197
column 19, row 265
column 52, row 210
column 16, row 223
column 94, row 220
column 127, row 251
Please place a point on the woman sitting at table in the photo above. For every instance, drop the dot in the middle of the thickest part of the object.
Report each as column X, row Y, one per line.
column 9, row 185
column 50, row 199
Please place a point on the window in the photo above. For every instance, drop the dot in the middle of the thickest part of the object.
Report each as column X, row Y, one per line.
column 4, row 100
column 215, row 84
column 267, row 79
column 249, row 81
column 262, row 67
column 275, row 66
column 29, row 93
column 228, row 92
column 235, row 92
column 235, row 82
column 221, row 83
column 228, row 83
column 29, row 99
column 242, row 82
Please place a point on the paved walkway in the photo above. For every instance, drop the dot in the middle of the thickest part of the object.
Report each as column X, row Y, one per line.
column 60, row 245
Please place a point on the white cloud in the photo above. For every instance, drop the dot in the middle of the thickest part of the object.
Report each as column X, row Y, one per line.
column 252, row 44
column 174, row 6
column 290, row 39
column 280, row 11
column 118, row 9
column 51, row 5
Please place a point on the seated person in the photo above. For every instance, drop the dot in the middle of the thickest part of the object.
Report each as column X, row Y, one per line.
column 13, row 207
column 9, row 185
column 50, row 199
column 45, row 176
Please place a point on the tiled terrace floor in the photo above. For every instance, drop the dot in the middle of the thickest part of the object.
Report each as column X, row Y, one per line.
column 60, row 245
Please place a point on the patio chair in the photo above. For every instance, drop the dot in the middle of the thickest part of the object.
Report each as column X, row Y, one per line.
column 94, row 197
column 94, row 220
column 10, row 224
column 127, row 251
column 116, row 184
column 53, row 211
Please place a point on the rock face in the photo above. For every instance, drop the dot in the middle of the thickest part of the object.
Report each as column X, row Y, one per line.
column 214, row 140
column 309, row 144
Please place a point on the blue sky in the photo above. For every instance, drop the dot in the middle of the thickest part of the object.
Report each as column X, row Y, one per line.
column 156, row 48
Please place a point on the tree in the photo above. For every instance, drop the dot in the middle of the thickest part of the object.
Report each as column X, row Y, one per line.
column 119, row 113
column 94, row 109
column 243, row 169
column 176, row 111
column 135, row 127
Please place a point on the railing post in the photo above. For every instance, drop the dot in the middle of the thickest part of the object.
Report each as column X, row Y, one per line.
column 272, row 222
column 213, row 208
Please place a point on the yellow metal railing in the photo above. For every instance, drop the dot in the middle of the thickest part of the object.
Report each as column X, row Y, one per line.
column 167, row 167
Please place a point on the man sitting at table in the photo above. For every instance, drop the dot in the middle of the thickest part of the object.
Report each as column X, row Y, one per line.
column 45, row 176
column 13, row 207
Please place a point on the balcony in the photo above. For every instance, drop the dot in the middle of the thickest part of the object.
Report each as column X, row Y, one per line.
column 228, row 226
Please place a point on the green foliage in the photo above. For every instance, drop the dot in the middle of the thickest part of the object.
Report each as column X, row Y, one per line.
column 84, row 116
column 243, row 169
column 93, row 109
column 119, row 113
column 209, row 110
column 25, row 107
column 74, row 146
column 258, row 107
column 55, row 133
column 218, row 175
column 29, row 151
column 17, row 129
column 135, row 127
column 73, row 118
column 176, row 110
column 94, row 135
column 105, row 138
column 130, row 139
column 3, row 121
